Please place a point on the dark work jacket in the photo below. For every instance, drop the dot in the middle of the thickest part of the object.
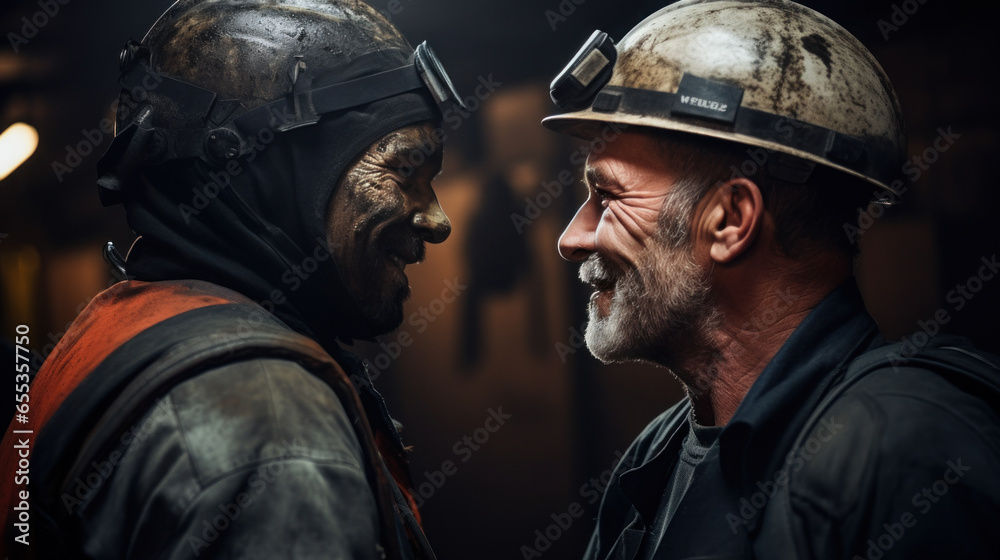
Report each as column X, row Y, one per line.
column 900, row 462
column 253, row 457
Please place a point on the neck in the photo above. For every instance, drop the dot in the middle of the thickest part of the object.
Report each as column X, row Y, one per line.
column 757, row 320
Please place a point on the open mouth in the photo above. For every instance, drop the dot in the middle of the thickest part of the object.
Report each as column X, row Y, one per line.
column 401, row 261
column 598, row 278
column 595, row 274
column 602, row 284
column 398, row 261
column 601, row 299
column 602, row 296
column 604, row 288
column 406, row 253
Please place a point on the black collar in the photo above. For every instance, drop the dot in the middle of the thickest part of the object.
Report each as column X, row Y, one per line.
column 768, row 419
column 813, row 359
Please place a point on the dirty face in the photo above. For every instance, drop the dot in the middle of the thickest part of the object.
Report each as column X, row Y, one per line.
column 382, row 212
column 651, row 300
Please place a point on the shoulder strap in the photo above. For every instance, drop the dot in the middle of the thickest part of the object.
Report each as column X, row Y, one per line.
column 129, row 381
column 966, row 368
column 951, row 357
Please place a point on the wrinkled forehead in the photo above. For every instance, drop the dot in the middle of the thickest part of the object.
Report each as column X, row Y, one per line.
column 420, row 135
column 411, row 149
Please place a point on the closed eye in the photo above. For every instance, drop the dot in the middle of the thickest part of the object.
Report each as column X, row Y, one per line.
column 395, row 171
column 603, row 197
column 598, row 183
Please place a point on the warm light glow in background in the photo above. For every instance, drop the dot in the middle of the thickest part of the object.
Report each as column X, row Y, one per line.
column 17, row 143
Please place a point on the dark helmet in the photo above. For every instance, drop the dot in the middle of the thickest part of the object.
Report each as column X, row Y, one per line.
column 225, row 108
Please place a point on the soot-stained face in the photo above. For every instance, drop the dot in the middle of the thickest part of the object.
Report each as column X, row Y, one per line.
column 381, row 214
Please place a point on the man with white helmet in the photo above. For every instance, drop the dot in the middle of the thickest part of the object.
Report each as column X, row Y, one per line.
column 714, row 238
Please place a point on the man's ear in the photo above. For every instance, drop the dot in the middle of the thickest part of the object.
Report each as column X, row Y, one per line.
column 732, row 219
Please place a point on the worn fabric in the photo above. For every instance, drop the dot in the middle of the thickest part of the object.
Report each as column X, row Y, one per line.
column 250, row 460
column 257, row 458
column 66, row 367
column 901, row 465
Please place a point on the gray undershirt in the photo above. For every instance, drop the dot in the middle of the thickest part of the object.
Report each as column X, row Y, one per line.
column 693, row 449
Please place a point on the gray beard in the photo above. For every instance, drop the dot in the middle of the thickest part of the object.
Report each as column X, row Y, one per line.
column 661, row 311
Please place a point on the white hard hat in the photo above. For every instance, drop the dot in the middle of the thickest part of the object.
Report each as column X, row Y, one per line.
column 766, row 73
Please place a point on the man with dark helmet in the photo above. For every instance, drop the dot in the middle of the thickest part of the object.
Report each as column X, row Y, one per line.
column 737, row 139
column 275, row 160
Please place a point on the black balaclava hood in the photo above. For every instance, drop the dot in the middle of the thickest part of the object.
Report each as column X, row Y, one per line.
column 259, row 226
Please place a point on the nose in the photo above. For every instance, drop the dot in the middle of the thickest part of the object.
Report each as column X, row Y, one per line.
column 432, row 223
column 577, row 242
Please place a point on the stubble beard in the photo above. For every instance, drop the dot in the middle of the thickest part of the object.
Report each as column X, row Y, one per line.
column 386, row 288
column 661, row 310
column 385, row 292
column 384, row 307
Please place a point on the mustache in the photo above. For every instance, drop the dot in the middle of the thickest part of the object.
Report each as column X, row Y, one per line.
column 599, row 272
column 409, row 247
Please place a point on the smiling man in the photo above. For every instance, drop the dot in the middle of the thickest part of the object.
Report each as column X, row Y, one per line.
column 714, row 239
column 204, row 407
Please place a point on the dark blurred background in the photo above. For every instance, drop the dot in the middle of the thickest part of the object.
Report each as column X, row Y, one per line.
column 495, row 318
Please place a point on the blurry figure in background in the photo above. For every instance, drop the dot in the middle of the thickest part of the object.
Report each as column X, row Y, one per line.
column 499, row 245
column 276, row 160
column 498, row 259
column 714, row 239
